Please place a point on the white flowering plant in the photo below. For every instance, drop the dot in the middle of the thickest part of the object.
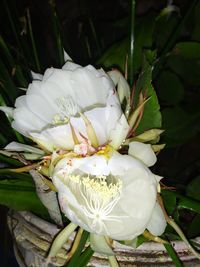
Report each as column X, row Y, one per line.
column 88, row 138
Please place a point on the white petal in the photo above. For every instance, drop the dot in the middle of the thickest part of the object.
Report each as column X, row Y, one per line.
column 119, row 133
column 70, row 66
column 157, row 224
column 66, row 56
column 25, row 121
column 36, row 76
column 122, row 85
column 100, row 245
column 7, row 110
column 95, row 165
column 15, row 146
column 142, row 152
column 55, row 137
column 43, row 141
column 131, row 213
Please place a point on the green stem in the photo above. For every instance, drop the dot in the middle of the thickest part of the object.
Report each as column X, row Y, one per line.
column 33, row 42
column 113, row 261
column 131, row 48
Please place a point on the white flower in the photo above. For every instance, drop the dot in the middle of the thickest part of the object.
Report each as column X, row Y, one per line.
column 110, row 196
column 70, row 106
column 143, row 152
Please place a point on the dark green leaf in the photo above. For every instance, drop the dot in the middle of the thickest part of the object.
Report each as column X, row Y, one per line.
column 76, row 257
column 195, row 35
column 187, row 69
column 20, row 195
column 170, row 88
column 115, row 56
column 190, row 204
column 11, row 161
column 151, row 117
column 85, row 257
column 193, row 189
column 194, row 229
column 169, row 199
column 179, row 125
column 188, row 50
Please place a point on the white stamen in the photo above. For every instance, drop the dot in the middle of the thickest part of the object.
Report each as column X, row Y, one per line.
column 67, row 108
column 99, row 197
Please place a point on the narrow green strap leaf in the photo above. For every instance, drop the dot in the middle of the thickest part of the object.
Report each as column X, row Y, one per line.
column 173, row 255
column 131, row 47
column 10, row 161
column 85, row 257
column 75, row 260
column 37, row 62
column 57, row 32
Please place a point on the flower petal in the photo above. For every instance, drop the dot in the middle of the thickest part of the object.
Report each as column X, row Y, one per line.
column 119, row 133
column 8, row 111
column 157, row 223
column 142, row 152
column 100, row 245
column 129, row 211
column 15, row 146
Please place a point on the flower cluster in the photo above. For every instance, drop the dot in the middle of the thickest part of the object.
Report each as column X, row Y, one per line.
column 74, row 115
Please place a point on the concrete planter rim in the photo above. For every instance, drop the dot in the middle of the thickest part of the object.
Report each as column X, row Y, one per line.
column 32, row 237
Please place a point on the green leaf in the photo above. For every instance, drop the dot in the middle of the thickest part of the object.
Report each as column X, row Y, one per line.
column 195, row 35
column 57, row 33
column 190, row 204
column 193, row 189
column 7, row 84
column 186, row 68
column 169, row 199
column 20, row 195
column 179, row 125
column 188, row 50
column 85, row 257
column 170, row 88
column 115, row 56
column 193, row 228
column 151, row 117
column 10, row 161
column 173, row 255
column 75, row 260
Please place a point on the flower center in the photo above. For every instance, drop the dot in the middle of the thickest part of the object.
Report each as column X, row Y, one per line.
column 67, row 108
column 97, row 195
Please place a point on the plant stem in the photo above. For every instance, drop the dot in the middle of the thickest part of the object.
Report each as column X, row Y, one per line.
column 131, row 47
